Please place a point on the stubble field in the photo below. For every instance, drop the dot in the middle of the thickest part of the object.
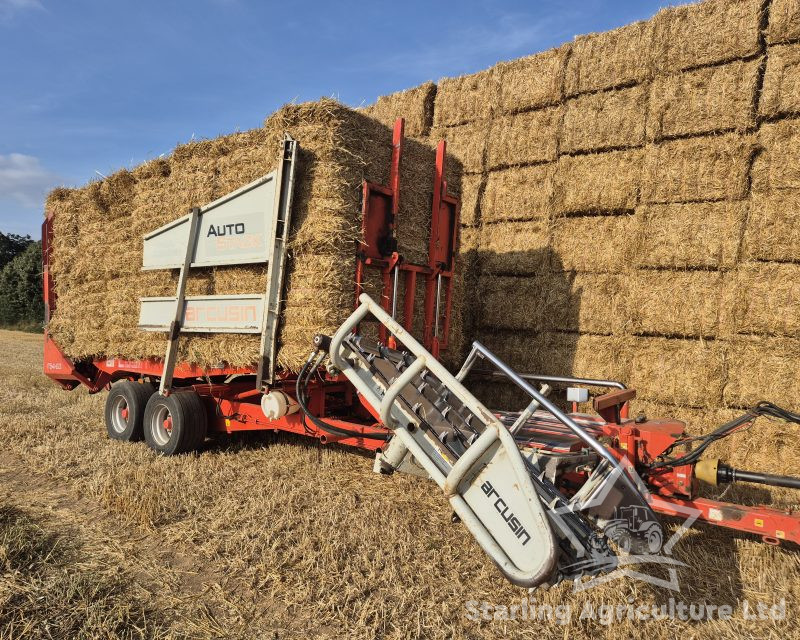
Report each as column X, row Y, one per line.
column 280, row 538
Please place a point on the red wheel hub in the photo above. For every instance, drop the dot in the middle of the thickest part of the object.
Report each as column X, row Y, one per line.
column 168, row 423
column 125, row 413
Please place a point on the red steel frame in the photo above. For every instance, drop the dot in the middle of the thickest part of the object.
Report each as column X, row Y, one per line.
column 235, row 406
column 378, row 247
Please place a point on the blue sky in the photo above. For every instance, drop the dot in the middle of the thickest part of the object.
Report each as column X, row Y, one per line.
column 90, row 86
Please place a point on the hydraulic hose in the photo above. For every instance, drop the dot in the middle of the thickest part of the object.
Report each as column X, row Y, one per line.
column 305, row 373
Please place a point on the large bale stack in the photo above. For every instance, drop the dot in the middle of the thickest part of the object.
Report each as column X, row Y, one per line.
column 97, row 249
column 633, row 202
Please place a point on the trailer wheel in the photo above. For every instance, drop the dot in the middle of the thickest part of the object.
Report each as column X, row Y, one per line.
column 176, row 423
column 125, row 407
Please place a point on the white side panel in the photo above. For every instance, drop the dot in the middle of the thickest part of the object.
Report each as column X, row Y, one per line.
column 205, row 314
column 232, row 230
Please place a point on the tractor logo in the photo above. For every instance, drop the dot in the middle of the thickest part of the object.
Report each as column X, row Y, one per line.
column 633, row 532
column 637, row 536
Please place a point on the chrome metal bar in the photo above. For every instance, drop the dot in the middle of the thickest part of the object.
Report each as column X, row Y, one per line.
column 568, row 422
column 566, row 379
column 528, row 411
column 394, row 292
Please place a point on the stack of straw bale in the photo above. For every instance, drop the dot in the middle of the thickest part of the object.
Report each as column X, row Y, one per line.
column 97, row 251
column 631, row 204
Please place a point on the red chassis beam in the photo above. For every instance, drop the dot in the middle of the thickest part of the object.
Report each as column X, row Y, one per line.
column 773, row 525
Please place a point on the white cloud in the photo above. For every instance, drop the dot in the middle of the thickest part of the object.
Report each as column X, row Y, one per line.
column 24, row 179
column 10, row 7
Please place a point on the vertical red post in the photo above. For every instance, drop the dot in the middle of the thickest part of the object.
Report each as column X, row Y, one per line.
column 430, row 340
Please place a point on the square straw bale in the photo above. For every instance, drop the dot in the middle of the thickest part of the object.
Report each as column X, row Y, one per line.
column 719, row 98
column 763, row 368
column 605, row 120
column 524, row 138
column 611, row 59
column 583, row 355
column 518, row 349
column 415, row 105
column 673, row 303
column 696, row 234
column 64, row 204
column 466, row 143
column 706, row 33
column 472, row 185
column 510, row 302
column 780, row 94
column 518, row 194
column 595, row 244
column 695, row 169
column 777, row 166
column 764, row 298
column 533, row 81
column 466, row 98
column 773, row 226
column 583, row 302
column 598, row 182
column 784, row 21
column 518, row 248
column 680, row 372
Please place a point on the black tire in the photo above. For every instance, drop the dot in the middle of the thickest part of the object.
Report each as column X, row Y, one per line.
column 125, row 407
column 188, row 423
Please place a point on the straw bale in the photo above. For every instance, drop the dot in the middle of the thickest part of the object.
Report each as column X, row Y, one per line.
column 680, row 372
column 533, row 81
column 64, row 204
column 784, row 21
column 611, row 59
column 524, row 138
column 466, row 98
column 466, row 143
column 583, row 302
column 559, row 353
column 673, row 303
column 697, row 234
column 598, row 181
column 469, row 240
column 415, row 105
column 718, row 98
column 705, row 33
column 781, row 91
column 583, row 355
column 773, row 226
column 763, row 368
column 519, row 248
column 518, row 349
column 597, row 244
column 510, row 302
column 695, row 169
column 764, row 298
column 777, row 167
column 339, row 149
column 605, row 120
column 471, row 187
column 518, row 193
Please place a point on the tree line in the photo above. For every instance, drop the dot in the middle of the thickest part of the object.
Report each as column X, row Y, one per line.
column 21, row 302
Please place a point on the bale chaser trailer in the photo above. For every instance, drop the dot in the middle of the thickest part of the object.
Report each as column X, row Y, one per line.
column 542, row 489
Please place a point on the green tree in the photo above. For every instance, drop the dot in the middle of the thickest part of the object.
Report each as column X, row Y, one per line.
column 12, row 245
column 21, row 303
